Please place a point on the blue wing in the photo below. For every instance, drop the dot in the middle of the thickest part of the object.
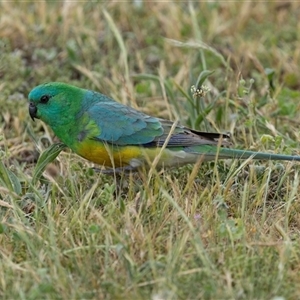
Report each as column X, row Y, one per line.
column 123, row 125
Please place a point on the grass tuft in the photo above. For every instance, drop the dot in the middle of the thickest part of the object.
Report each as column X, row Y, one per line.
column 217, row 230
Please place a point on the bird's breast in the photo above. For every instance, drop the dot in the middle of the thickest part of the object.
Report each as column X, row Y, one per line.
column 132, row 155
column 109, row 155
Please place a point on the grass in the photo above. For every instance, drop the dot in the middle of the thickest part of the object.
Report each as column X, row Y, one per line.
column 218, row 230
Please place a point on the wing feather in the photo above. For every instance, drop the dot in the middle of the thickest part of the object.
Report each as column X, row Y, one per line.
column 123, row 125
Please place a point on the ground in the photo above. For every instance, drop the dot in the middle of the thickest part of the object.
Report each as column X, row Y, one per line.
column 219, row 230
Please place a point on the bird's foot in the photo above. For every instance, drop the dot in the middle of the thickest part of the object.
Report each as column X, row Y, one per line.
column 113, row 171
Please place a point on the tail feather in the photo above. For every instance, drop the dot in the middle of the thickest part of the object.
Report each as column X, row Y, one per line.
column 210, row 152
column 241, row 154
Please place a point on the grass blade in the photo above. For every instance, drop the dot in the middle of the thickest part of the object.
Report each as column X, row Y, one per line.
column 46, row 157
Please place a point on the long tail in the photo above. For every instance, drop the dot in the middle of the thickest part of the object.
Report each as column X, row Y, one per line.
column 210, row 152
column 241, row 154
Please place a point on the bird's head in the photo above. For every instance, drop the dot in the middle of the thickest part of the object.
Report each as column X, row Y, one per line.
column 54, row 102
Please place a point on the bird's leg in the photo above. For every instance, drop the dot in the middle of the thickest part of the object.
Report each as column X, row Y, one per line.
column 117, row 171
column 122, row 178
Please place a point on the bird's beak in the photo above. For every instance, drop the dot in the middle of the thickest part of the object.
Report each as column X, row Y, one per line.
column 32, row 110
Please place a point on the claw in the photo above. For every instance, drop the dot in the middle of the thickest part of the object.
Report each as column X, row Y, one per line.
column 123, row 170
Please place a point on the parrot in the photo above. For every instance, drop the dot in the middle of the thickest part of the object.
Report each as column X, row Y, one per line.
column 122, row 138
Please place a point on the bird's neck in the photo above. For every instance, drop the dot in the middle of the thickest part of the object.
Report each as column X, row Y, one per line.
column 66, row 132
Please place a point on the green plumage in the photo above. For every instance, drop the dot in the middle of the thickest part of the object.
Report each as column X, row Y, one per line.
column 88, row 121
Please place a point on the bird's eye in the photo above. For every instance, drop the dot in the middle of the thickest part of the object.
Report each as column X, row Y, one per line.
column 44, row 99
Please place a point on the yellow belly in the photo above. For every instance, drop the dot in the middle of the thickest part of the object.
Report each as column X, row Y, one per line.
column 107, row 155
column 135, row 156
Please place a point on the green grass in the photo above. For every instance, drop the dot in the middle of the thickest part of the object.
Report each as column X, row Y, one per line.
column 218, row 230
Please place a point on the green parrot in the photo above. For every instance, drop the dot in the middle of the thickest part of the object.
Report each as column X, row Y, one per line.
column 117, row 136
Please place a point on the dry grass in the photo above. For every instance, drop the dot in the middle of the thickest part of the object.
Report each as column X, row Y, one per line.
column 226, row 230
